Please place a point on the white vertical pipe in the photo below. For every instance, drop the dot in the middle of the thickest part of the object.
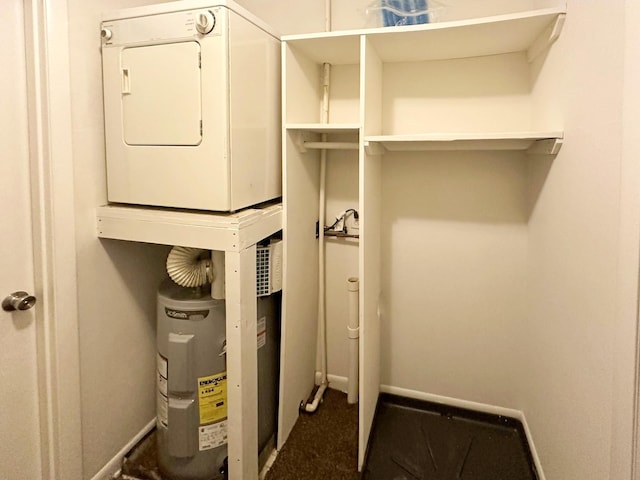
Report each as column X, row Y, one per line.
column 322, row 329
column 353, row 331
column 326, row 72
column 327, row 15
column 322, row 321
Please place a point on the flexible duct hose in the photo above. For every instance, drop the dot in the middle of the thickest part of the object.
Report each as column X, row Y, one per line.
column 187, row 267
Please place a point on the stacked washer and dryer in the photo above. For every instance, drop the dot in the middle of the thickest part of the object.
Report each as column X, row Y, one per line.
column 192, row 121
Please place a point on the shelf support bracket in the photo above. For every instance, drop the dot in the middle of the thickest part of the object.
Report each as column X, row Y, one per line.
column 374, row 148
column 299, row 142
column 546, row 38
column 330, row 145
column 548, row 146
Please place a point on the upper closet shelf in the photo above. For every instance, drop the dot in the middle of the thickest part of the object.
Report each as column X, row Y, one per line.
column 548, row 143
column 530, row 32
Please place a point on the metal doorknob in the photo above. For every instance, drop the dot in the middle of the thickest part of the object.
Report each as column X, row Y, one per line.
column 18, row 301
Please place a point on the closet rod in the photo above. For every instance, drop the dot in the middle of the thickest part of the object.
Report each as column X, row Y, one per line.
column 330, row 145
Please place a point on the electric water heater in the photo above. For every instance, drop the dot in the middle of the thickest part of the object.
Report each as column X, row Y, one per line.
column 192, row 381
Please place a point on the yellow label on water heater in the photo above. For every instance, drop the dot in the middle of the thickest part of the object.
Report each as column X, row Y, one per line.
column 212, row 398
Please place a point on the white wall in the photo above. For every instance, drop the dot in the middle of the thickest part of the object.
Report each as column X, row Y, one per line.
column 341, row 257
column 454, row 273
column 116, row 280
column 625, row 419
column 574, row 305
column 288, row 17
column 306, row 16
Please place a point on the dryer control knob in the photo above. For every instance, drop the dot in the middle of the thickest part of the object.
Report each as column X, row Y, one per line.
column 205, row 21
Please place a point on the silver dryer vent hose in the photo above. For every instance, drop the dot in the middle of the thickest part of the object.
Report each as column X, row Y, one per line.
column 187, row 268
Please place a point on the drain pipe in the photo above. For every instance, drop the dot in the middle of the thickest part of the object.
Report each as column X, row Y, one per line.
column 322, row 320
column 353, row 329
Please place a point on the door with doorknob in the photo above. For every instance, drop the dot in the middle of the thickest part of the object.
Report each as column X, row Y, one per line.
column 19, row 412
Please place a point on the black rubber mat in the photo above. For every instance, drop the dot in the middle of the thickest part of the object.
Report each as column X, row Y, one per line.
column 417, row 440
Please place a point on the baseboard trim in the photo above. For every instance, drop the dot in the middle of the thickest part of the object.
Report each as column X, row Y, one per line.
column 268, row 464
column 336, row 382
column 532, row 447
column 114, row 466
column 475, row 406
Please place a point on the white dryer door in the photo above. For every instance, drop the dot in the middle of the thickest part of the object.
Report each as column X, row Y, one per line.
column 161, row 94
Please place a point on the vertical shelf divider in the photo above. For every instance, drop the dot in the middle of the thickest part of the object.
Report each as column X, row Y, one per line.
column 301, row 174
column 370, row 176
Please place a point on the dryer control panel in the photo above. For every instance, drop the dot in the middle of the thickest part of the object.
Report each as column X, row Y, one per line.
column 166, row 27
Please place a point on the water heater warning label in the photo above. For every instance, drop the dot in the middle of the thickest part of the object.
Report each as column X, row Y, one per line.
column 262, row 332
column 212, row 398
column 162, row 399
column 212, row 436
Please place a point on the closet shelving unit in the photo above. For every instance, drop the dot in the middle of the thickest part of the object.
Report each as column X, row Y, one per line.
column 235, row 234
column 464, row 85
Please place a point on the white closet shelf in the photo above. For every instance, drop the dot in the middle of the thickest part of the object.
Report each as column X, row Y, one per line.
column 210, row 230
column 530, row 31
column 533, row 142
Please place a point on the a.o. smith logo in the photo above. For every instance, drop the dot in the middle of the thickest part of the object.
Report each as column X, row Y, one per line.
column 183, row 315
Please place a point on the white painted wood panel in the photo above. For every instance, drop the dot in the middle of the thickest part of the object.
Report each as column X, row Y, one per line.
column 336, row 48
column 300, row 283
column 301, row 84
column 242, row 363
column 370, row 214
column 324, row 128
column 462, row 141
column 477, row 94
column 344, row 94
column 212, row 231
column 499, row 34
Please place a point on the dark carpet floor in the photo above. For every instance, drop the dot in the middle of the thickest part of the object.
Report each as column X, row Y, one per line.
column 141, row 463
column 322, row 445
